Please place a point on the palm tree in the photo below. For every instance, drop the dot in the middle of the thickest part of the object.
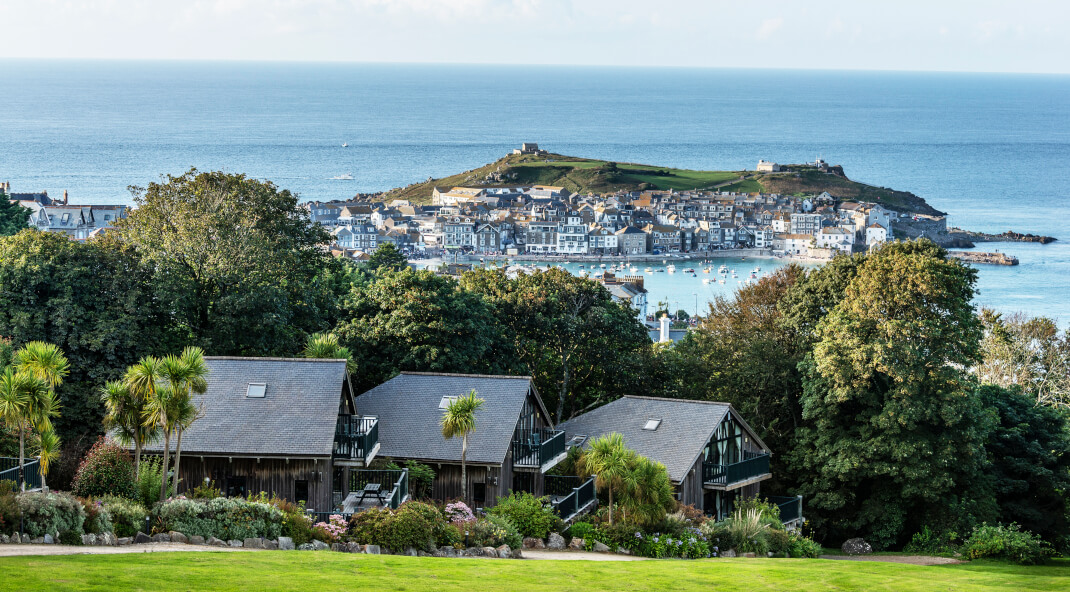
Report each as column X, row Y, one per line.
column 610, row 462
column 125, row 412
column 48, row 454
column 14, row 398
column 460, row 420
column 183, row 415
column 180, row 376
column 325, row 346
column 44, row 365
column 43, row 361
column 143, row 380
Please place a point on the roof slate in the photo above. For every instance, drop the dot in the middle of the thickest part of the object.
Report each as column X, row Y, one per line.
column 409, row 415
column 686, row 427
column 296, row 417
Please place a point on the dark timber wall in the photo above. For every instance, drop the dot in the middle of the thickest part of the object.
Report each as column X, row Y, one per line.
column 270, row 475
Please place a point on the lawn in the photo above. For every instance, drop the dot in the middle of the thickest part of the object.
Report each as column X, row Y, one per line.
column 282, row 570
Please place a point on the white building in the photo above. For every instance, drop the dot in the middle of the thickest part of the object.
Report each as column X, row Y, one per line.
column 835, row 238
column 765, row 166
column 876, row 235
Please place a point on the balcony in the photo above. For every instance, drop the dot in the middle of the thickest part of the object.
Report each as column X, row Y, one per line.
column 791, row 512
column 9, row 471
column 539, row 449
column 356, row 440
column 570, row 497
column 735, row 475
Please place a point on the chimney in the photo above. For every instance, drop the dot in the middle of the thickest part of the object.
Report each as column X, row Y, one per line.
column 64, row 197
column 665, row 329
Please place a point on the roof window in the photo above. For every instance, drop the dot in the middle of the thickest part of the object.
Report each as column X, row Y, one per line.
column 256, row 390
column 445, row 402
column 652, row 424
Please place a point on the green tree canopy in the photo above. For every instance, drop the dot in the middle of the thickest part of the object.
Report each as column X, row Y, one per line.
column 13, row 217
column 387, row 257
column 237, row 261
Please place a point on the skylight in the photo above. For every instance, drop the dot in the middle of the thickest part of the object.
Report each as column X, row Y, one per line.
column 256, row 390
column 445, row 402
column 652, row 424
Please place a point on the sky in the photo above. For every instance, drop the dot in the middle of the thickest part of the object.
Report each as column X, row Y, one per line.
column 976, row 36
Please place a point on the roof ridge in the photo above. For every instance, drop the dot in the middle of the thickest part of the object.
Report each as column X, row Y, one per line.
column 268, row 359
column 676, row 400
column 413, row 373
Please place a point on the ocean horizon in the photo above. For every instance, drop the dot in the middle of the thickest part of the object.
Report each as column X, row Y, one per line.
column 991, row 150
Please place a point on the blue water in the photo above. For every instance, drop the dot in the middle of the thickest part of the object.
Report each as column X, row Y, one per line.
column 991, row 150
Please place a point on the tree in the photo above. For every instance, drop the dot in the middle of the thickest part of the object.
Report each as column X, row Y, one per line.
column 48, row 452
column 460, row 420
column 1029, row 353
column 325, row 346
column 893, row 431
column 647, row 494
column 610, row 462
column 126, row 410
column 44, row 366
column 416, row 320
column 387, row 257
column 229, row 254
column 13, row 217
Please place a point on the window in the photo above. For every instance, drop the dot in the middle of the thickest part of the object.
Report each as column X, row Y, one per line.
column 256, row 390
column 652, row 424
column 235, row 486
column 301, row 491
column 445, row 402
column 479, row 494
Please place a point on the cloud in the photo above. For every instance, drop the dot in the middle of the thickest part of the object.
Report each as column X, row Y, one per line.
column 768, row 27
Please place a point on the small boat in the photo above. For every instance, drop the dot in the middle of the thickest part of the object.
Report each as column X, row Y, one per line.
column 603, row 266
column 705, row 280
column 345, row 177
column 345, row 144
column 633, row 269
column 690, row 270
column 649, row 270
column 720, row 281
column 671, row 268
column 706, row 270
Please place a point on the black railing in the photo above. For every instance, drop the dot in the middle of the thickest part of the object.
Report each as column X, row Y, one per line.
column 355, row 436
column 569, row 495
column 392, row 490
column 725, row 475
column 535, row 448
column 790, row 507
column 9, row 471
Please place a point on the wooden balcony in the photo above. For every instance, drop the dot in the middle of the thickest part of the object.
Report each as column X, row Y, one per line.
column 791, row 512
column 736, row 475
column 570, row 497
column 356, row 440
column 9, row 471
column 539, row 449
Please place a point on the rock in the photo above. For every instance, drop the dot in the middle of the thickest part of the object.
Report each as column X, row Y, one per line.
column 338, row 547
column 749, row 555
column 320, row 546
column 856, row 546
column 373, row 550
column 216, row 542
column 425, row 554
column 576, row 544
column 354, row 547
column 600, row 548
column 48, row 540
column 474, row 551
column 3, row 539
column 92, row 539
column 516, row 554
column 178, row 537
column 623, row 551
column 555, row 542
column 534, row 543
column 252, row 543
column 37, row 541
column 410, row 552
column 729, row 553
column 142, row 539
column 26, row 540
column 85, row 539
column 504, row 551
column 286, row 544
column 124, row 541
column 196, row 540
column 162, row 537
column 490, row 552
column 271, row 545
column 235, row 543
column 305, row 547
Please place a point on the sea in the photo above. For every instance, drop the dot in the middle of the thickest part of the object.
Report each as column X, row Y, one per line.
column 991, row 150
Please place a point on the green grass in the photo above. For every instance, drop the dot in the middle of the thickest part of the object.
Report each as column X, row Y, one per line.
column 746, row 186
column 291, row 570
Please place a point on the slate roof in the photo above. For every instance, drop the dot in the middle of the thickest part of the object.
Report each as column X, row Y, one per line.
column 686, row 427
column 409, row 415
column 296, row 416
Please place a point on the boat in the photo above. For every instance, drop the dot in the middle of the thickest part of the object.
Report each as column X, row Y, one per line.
column 690, row 270
column 720, row 281
column 345, row 144
column 633, row 269
column 671, row 268
column 705, row 280
column 345, row 177
column 603, row 266
column 649, row 270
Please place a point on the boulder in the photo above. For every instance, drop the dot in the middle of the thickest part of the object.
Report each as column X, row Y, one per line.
column 286, row 544
column 252, row 543
column 338, row 547
column 320, row 546
column 425, row 554
column 178, row 537
column 555, row 542
column 600, row 548
column 729, row 553
column 305, row 547
column 124, row 541
column 216, row 542
column 271, row 545
column 3, row 539
column 490, row 552
column 196, row 540
column 410, row 552
column 534, row 543
column 352, row 547
column 516, row 554
column 474, row 551
column 504, row 551
column 161, row 537
column 446, row 552
column 576, row 544
column 85, row 539
column 235, row 543
column 749, row 555
column 142, row 538
column 623, row 551
column 373, row 550
column 856, row 546
column 47, row 539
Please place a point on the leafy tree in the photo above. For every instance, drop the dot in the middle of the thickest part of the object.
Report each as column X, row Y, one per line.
column 581, row 346
column 325, row 346
column 416, row 320
column 13, row 217
column 47, row 452
column 27, row 397
column 648, row 492
column 893, row 431
column 387, row 257
column 1029, row 353
column 459, row 420
column 610, row 462
column 1029, row 456
column 237, row 260
column 126, row 414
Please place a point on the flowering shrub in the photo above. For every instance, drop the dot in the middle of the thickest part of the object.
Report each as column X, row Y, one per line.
column 531, row 515
column 106, row 470
column 494, row 531
column 224, row 518
column 127, row 516
column 97, row 517
column 50, row 513
column 692, row 544
column 457, row 512
column 1008, row 542
column 332, row 530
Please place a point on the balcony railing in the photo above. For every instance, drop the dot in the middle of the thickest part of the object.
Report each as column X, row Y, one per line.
column 355, row 437
column 725, row 475
column 569, row 496
column 9, row 471
column 790, row 507
column 536, row 448
column 392, row 490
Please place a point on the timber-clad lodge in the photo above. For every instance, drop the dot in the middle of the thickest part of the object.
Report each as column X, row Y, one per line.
column 294, row 427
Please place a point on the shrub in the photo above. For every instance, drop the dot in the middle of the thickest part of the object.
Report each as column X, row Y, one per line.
column 458, row 512
column 331, row 531
column 149, row 478
column 746, row 532
column 106, row 470
column 494, row 531
column 127, row 516
column 206, row 490
column 581, row 530
column 803, row 547
column 1008, row 542
column 531, row 515
column 51, row 513
column 931, row 543
column 9, row 508
column 224, row 518
column 445, row 534
column 70, row 538
column 778, row 541
column 297, row 525
column 97, row 517
column 365, row 526
column 407, row 527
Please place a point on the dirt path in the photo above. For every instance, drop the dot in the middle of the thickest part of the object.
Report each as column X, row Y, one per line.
column 578, row 556
column 909, row 559
column 23, row 550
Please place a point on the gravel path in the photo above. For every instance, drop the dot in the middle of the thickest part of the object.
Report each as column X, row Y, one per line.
column 909, row 559
column 24, row 550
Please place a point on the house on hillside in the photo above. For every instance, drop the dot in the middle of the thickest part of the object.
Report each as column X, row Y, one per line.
column 713, row 457
column 513, row 446
column 284, row 426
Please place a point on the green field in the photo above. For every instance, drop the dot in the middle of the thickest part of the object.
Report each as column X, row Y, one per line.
column 282, row 570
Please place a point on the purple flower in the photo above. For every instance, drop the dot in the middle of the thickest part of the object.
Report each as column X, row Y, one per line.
column 655, row 539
